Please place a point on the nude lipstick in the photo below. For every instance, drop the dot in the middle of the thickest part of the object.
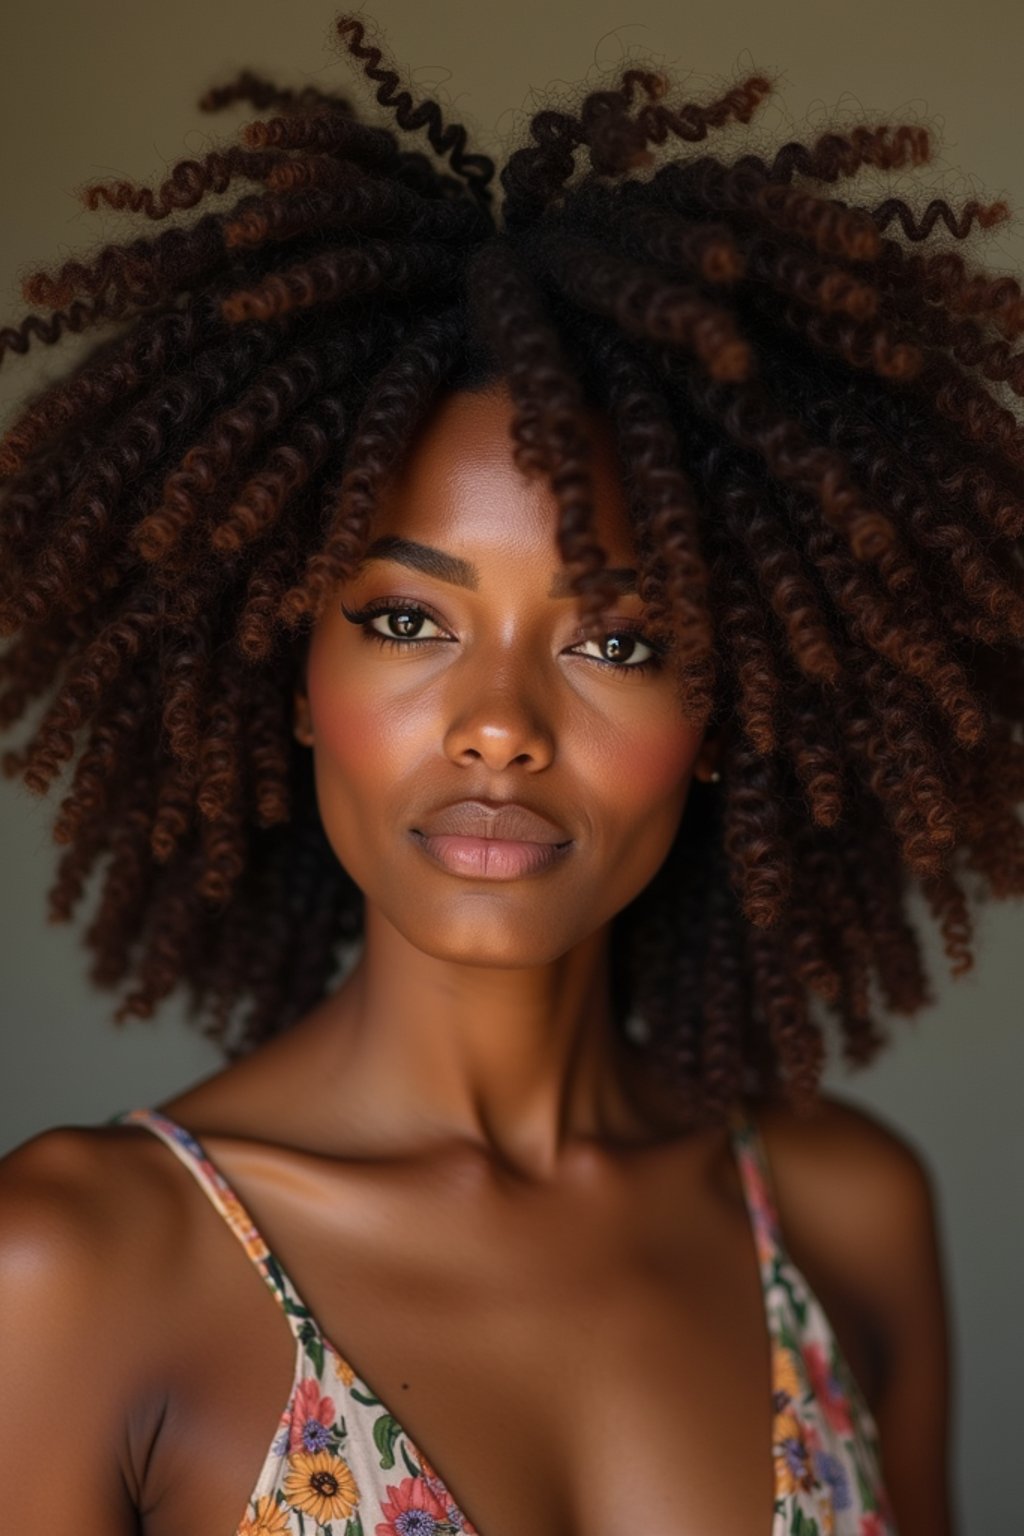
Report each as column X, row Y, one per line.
column 491, row 840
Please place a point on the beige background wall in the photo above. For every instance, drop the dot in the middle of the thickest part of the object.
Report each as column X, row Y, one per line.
column 104, row 89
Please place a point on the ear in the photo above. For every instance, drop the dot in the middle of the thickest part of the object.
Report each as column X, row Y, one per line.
column 302, row 724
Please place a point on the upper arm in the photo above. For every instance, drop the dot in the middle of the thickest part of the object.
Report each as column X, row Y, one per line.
column 62, row 1353
column 910, row 1294
column 857, row 1195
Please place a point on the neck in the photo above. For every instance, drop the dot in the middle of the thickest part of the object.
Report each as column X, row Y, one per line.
column 526, row 1065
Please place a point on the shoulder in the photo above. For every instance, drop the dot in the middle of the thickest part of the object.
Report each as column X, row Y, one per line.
column 845, row 1173
column 93, row 1233
column 859, row 1212
column 83, row 1232
column 55, row 1202
column 73, row 1184
column 846, row 1158
column 73, row 1207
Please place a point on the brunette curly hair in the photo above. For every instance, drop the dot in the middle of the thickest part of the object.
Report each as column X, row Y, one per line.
column 826, row 499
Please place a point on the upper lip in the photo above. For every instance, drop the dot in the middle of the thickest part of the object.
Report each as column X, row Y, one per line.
column 506, row 819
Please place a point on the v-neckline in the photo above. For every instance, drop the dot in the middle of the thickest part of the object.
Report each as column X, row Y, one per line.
column 743, row 1144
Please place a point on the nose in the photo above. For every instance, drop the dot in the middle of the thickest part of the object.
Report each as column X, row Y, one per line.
column 502, row 723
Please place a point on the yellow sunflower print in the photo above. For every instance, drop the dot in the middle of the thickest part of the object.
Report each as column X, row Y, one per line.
column 321, row 1485
column 239, row 1218
column 784, row 1372
column 268, row 1519
column 791, row 1453
column 343, row 1370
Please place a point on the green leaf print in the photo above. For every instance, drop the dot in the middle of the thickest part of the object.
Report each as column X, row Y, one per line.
column 313, row 1345
column 803, row 1525
column 294, row 1308
column 362, row 1397
column 354, row 1526
column 869, row 1502
column 787, row 1337
column 386, row 1430
column 414, row 1470
column 781, row 1278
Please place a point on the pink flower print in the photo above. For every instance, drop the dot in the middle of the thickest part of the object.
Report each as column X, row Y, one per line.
column 411, row 1509
column 453, row 1514
column 827, row 1388
column 311, row 1418
column 871, row 1525
column 812, row 1438
column 885, row 1509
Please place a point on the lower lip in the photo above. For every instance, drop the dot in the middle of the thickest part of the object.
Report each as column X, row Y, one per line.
column 491, row 858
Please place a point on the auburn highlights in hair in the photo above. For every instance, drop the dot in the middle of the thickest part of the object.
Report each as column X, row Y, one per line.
column 827, row 499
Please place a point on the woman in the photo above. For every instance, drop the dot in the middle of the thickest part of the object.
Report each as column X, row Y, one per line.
column 582, row 626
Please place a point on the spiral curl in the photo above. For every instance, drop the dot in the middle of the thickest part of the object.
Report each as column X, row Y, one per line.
column 827, row 501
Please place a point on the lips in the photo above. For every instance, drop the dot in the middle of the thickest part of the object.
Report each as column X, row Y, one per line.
column 508, row 821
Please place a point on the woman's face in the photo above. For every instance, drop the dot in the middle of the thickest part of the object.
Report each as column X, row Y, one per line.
column 478, row 686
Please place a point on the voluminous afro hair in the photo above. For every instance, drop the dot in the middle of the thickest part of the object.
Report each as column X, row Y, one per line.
column 827, row 504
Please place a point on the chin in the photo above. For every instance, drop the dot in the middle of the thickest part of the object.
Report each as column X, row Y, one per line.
column 474, row 936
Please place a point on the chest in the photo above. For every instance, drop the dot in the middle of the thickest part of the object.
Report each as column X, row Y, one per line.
column 593, row 1367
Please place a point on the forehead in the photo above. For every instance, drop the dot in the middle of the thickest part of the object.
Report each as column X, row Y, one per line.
column 459, row 485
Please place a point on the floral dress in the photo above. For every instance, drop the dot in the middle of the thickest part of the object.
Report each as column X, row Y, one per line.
column 341, row 1464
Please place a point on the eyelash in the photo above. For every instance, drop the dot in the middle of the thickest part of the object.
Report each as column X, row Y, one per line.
column 393, row 642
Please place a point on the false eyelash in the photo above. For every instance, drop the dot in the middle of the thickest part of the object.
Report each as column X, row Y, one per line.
column 362, row 617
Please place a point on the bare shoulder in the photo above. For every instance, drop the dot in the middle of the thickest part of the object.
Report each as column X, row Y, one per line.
column 74, row 1183
column 859, row 1210
column 97, row 1232
column 850, row 1183
column 79, row 1226
column 57, row 1206
column 82, row 1222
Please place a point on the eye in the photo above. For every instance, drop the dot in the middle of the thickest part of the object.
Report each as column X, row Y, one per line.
column 400, row 624
column 623, row 644
column 405, row 622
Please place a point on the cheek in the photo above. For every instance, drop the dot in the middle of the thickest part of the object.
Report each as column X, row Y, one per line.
column 353, row 733
column 650, row 768
column 667, row 763
column 362, row 749
column 642, row 781
column 358, row 727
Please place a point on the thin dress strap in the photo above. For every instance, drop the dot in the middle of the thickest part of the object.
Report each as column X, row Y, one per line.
column 213, row 1183
column 759, row 1193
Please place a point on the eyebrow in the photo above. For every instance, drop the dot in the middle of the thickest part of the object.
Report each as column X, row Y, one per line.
column 462, row 573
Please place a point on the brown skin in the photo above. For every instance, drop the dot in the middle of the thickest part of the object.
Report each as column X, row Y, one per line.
column 487, row 1203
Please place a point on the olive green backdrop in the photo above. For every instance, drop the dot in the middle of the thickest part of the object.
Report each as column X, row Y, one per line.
column 109, row 89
